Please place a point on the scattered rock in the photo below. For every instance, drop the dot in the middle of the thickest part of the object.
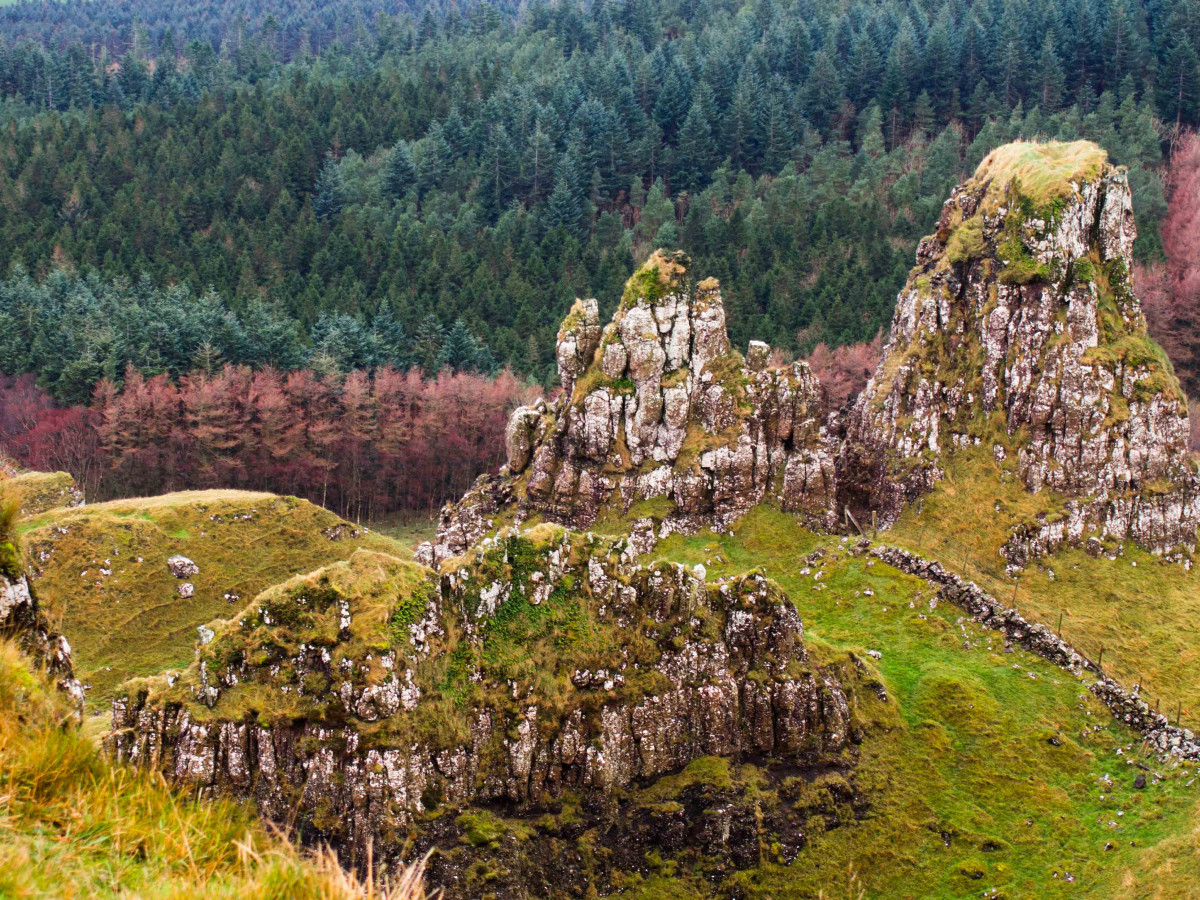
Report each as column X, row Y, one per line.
column 182, row 567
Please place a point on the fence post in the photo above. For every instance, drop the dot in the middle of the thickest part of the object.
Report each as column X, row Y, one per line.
column 1060, row 624
column 1178, row 713
column 1100, row 662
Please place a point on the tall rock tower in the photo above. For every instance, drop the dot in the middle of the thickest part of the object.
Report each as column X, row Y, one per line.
column 657, row 406
column 1018, row 329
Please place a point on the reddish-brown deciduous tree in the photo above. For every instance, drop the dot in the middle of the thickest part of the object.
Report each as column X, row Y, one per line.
column 1170, row 291
column 844, row 371
column 365, row 445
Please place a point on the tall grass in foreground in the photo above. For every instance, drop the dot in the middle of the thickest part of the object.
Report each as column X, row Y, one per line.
column 74, row 825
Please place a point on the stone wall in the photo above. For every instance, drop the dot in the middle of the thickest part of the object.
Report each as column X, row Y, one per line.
column 1125, row 704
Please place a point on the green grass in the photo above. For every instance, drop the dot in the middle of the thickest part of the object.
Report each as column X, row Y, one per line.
column 407, row 532
column 132, row 622
column 73, row 825
column 999, row 754
column 1143, row 610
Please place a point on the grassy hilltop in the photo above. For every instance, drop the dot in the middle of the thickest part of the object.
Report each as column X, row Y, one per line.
column 102, row 576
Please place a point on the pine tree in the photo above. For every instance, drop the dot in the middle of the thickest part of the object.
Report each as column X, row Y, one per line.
column 399, row 174
column 939, row 75
column 674, row 98
column 459, row 351
column 329, row 193
column 823, row 91
column 565, row 207
column 1178, row 94
column 1050, row 78
column 428, row 345
column 391, row 342
column 865, row 68
column 697, row 151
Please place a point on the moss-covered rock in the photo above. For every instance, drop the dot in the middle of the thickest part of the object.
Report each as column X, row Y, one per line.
column 1021, row 305
column 538, row 665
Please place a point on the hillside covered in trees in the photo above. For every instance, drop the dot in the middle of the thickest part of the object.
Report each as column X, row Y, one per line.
column 404, row 174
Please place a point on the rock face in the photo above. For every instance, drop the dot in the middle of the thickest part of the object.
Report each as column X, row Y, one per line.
column 363, row 697
column 22, row 619
column 658, row 406
column 1018, row 331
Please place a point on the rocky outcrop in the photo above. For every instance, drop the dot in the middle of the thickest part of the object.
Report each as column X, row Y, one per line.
column 1017, row 333
column 21, row 619
column 658, row 406
column 1018, row 330
column 365, row 696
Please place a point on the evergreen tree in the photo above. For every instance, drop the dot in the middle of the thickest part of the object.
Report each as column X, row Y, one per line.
column 1178, row 94
column 565, row 208
column 390, row 341
column 1050, row 78
column 697, row 151
column 461, row 352
column 400, row 174
column 823, row 90
column 329, row 193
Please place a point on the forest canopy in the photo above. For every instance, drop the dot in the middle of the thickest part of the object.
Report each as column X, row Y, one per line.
column 334, row 186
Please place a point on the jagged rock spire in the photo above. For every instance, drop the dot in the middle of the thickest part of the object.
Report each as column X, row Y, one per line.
column 1018, row 329
column 657, row 405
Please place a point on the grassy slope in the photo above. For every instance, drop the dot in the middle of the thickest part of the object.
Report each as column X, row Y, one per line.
column 1144, row 611
column 963, row 756
column 132, row 622
column 72, row 825
column 37, row 492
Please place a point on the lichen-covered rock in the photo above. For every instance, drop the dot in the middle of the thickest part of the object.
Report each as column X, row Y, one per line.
column 182, row 567
column 1019, row 317
column 357, row 698
column 658, row 405
column 21, row 618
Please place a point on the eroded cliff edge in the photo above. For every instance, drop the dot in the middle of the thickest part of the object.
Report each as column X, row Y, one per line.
column 362, row 701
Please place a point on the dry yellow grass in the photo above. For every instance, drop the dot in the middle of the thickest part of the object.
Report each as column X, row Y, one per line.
column 103, row 579
column 1043, row 171
column 74, row 825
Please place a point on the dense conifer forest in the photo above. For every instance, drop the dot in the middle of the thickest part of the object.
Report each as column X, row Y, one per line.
column 326, row 173
column 343, row 185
